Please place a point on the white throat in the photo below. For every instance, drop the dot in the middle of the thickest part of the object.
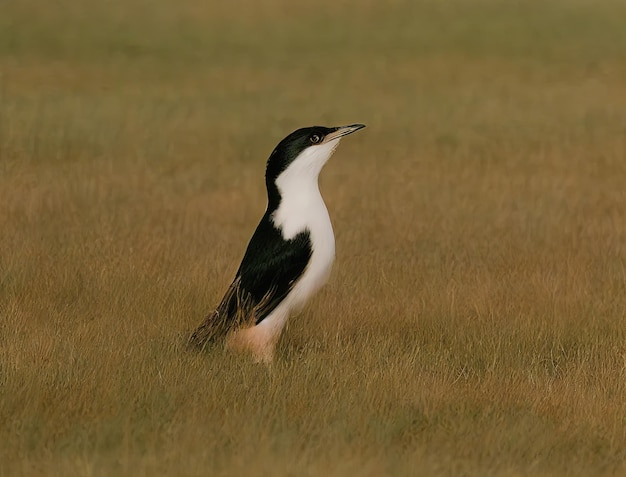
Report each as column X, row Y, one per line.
column 302, row 209
column 301, row 204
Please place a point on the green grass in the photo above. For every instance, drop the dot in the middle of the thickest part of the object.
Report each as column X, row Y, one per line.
column 475, row 320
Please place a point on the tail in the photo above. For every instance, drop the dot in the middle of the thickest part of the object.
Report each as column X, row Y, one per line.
column 217, row 324
column 236, row 310
column 210, row 331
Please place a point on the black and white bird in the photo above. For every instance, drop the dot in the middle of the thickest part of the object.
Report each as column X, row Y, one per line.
column 290, row 255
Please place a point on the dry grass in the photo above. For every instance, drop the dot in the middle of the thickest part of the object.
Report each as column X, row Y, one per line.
column 475, row 321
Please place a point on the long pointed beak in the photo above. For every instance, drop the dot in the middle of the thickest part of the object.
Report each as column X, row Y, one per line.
column 343, row 131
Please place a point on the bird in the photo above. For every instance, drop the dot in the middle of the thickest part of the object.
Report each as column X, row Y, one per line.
column 290, row 255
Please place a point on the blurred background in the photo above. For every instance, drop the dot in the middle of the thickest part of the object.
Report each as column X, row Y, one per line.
column 476, row 309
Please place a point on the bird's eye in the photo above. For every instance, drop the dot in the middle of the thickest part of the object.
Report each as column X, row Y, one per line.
column 315, row 139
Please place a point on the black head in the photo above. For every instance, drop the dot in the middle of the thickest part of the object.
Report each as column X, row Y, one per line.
column 319, row 139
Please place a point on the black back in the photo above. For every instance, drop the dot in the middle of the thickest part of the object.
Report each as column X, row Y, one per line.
column 271, row 265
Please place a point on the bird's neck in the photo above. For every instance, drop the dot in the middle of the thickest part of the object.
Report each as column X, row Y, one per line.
column 296, row 186
column 300, row 206
column 298, row 194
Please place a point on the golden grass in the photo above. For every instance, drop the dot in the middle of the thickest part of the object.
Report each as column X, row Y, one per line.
column 475, row 320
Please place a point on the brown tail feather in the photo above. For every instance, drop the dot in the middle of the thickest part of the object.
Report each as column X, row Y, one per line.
column 218, row 324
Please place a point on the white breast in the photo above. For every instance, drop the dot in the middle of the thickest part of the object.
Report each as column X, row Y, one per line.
column 302, row 208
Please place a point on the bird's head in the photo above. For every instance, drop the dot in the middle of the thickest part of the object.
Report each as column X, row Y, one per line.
column 303, row 153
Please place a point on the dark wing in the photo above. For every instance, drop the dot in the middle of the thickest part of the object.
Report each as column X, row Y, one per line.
column 269, row 270
column 271, row 266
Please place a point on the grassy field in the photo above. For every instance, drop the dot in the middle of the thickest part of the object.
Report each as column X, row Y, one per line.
column 475, row 320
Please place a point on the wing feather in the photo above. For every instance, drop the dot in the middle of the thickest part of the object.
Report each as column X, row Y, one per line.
column 269, row 270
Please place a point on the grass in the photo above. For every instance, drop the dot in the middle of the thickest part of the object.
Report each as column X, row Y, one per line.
column 475, row 320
